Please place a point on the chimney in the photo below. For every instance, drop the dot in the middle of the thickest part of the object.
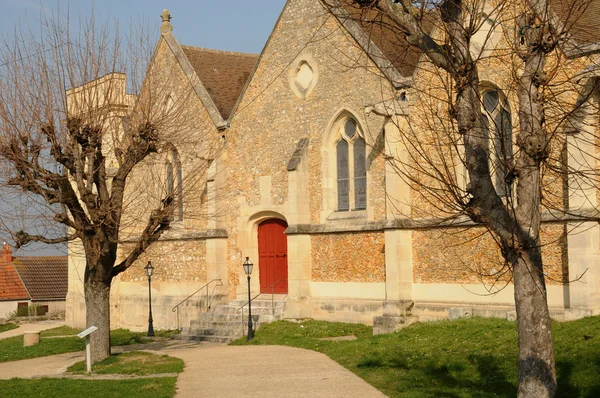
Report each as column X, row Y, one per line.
column 6, row 253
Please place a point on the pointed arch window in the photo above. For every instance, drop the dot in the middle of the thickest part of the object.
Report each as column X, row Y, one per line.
column 174, row 183
column 497, row 122
column 351, row 168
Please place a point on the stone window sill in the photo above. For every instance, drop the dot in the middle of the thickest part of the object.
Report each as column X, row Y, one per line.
column 348, row 215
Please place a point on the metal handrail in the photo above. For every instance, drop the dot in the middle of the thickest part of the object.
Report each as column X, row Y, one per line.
column 176, row 308
column 271, row 286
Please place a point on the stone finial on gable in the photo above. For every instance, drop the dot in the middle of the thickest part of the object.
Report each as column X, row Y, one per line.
column 166, row 22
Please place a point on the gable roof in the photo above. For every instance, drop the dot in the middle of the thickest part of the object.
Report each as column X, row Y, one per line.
column 46, row 278
column 382, row 32
column 401, row 77
column 577, row 18
column 580, row 18
column 221, row 77
column 373, row 31
column 217, row 77
column 223, row 73
column 192, row 77
column 11, row 286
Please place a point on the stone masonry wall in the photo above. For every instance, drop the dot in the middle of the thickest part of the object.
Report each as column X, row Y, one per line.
column 356, row 257
column 188, row 128
column 173, row 261
column 271, row 119
column 471, row 256
column 459, row 256
column 194, row 137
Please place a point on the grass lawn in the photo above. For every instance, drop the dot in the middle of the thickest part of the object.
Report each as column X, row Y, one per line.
column 11, row 349
column 137, row 363
column 131, row 363
column 59, row 388
column 8, row 326
column 466, row 358
column 60, row 331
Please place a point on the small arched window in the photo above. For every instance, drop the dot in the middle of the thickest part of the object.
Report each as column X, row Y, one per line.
column 498, row 128
column 351, row 168
column 174, row 183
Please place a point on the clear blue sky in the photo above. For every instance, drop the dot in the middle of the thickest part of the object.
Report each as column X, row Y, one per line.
column 234, row 25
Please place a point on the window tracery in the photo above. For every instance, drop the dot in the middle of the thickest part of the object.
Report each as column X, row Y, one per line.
column 497, row 122
column 351, row 168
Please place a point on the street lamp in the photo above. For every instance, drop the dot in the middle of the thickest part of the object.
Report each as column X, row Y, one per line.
column 248, row 270
column 149, row 269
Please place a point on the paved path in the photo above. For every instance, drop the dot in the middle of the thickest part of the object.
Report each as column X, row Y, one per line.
column 264, row 371
column 31, row 327
column 45, row 366
column 215, row 370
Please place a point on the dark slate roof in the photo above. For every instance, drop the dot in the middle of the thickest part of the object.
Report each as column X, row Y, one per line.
column 11, row 286
column 223, row 74
column 46, row 278
column 580, row 18
column 387, row 37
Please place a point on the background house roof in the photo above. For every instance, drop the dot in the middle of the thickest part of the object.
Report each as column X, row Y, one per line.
column 11, row 286
column 46, row 278
column 223, row 74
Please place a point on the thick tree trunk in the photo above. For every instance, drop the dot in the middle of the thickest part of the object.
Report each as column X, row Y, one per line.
column 537, row 376
column 536, row 356
column 97, row 300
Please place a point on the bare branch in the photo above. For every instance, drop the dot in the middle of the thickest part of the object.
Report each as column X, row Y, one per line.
column 158, row 223
column 22, row 238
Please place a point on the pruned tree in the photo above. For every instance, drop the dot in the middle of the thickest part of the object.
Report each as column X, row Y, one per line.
column 459, row 142
column 86, row 158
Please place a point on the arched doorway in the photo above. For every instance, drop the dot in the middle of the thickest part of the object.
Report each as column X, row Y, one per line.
column 272, row 254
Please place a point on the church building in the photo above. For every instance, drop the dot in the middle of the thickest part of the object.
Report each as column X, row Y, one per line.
column 302, row 180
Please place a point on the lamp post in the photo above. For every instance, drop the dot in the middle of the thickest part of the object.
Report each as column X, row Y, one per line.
column 248, row 270
column 149, row 269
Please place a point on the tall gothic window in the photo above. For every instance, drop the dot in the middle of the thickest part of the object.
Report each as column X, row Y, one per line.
column 174, row 183
column 498, row 128
column 351, row 168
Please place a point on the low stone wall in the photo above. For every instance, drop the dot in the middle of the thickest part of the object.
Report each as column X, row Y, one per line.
column 427, row 312
column 346, row 310
column 129, row 305
column 133, row 311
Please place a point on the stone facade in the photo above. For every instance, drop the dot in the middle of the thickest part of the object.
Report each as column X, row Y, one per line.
column 274, row 156
column 471, row 256
column 340, row 257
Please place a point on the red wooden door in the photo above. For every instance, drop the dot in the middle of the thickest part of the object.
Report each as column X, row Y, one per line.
column 272, row 251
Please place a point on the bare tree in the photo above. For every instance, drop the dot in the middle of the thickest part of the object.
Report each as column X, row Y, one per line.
column 459, row 156
column 88, row 160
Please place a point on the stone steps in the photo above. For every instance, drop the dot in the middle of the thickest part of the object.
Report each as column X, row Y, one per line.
column 255, row 310
column 212, row 339
column 236, row 330
column 230, row 321
column 224, row 323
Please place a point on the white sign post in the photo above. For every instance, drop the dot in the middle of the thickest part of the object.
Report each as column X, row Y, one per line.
column 88, row 351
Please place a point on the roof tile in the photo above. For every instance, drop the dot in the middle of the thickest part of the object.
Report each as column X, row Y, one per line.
column 223, row 74
column 384, row 33
column 580, row 19
column 11, row 287
column 46, row 278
